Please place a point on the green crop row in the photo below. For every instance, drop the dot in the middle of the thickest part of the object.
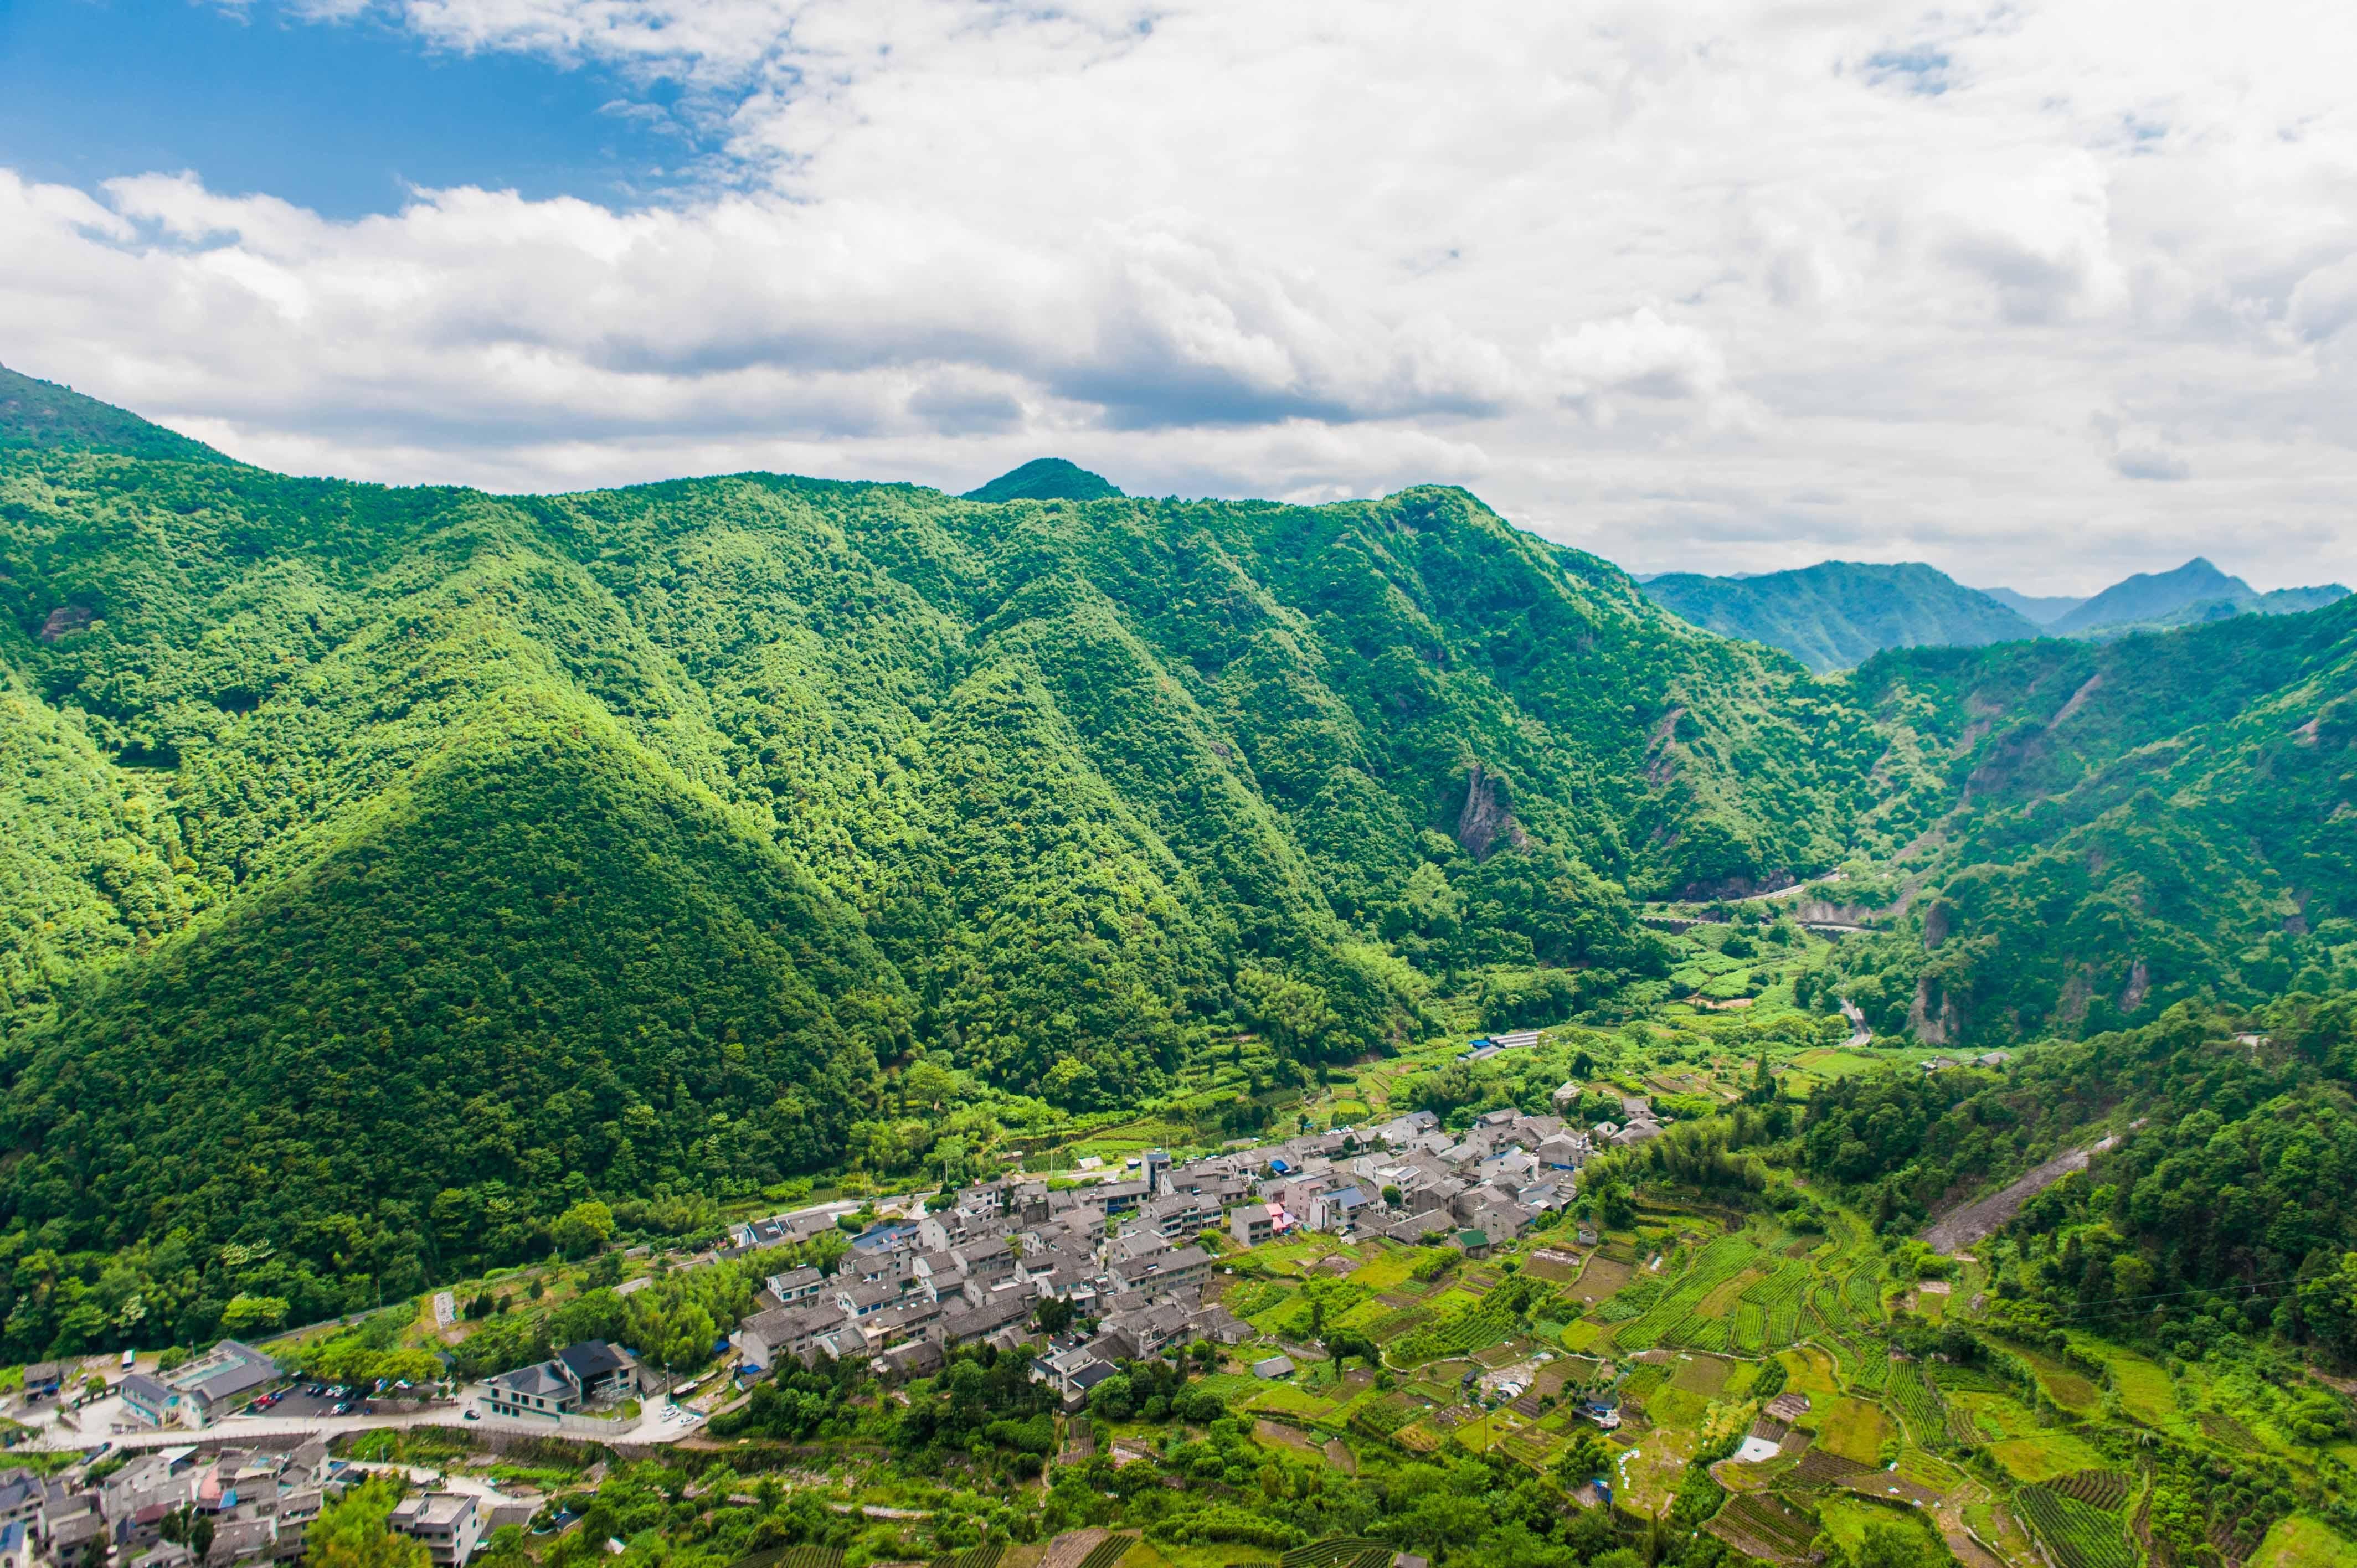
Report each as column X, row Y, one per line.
column 2078, row 1536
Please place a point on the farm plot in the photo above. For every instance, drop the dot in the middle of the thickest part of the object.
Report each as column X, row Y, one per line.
column 793, row 1557
column 1717, row 1266
column 1953, row 1377
column 1862, row 1294
column 1778, row 1298
column 984, row 1556
column 1853, row 1429
column 1474, row 1329
column 1760, row 1526
column 1918, row 1404
column 1704, row 1375
column 1343, row 1552
column 2043, row 1456
column 1073, row 1548
column 2104, row 1490
column 1555, row 1267
column 2078, row 1536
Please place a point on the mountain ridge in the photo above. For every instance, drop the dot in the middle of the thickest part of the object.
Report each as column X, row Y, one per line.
column 1836, row 613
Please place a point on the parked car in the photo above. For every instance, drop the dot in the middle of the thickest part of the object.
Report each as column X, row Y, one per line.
column 474, row 1415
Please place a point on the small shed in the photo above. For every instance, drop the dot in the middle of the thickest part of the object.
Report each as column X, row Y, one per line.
column 1274, row 1367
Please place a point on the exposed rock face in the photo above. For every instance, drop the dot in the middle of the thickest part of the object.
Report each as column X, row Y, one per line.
column 1487, row 817
column 2139, row 986
column 64, row 620
column 1937, row 922
column 1933, row 1027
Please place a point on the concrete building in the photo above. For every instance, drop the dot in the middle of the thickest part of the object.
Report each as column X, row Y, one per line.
column 447, row 1522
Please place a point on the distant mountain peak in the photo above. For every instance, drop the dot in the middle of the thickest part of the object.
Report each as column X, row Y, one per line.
column 1838, row 614
column 38, row 416
column 1046, row 479
column 2149, row 596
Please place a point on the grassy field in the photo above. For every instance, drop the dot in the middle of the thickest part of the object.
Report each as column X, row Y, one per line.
column 2145, row 1389
column 2043, row 1456
column 1854, row 1430
column 2063, row 1384
column 2301, row 1541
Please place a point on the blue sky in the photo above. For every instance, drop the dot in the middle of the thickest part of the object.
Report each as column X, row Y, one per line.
column 2042, row 293
column 339, row 116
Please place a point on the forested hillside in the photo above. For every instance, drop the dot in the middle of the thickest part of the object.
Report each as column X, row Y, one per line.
column 2136, row 822
column 411, row 853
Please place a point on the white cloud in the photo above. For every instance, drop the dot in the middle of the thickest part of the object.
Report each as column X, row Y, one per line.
column 1726, row 285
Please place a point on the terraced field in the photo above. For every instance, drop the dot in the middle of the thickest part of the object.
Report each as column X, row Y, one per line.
column 1765, row 1527
column 2077, row 1535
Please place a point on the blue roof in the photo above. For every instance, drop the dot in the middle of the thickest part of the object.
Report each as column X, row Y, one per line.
column 881, row 1236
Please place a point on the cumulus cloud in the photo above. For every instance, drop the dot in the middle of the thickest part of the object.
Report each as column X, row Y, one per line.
column 1646, row 276
column 1637, row 354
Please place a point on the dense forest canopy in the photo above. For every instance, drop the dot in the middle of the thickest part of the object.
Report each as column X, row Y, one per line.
column 384, row 871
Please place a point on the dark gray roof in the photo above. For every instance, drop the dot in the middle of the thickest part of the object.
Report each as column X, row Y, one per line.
column 541, row 1378
column 591, row 1359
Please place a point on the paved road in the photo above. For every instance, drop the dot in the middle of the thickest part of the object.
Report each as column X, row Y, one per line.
column 106, row 1421
column 1859, row 1034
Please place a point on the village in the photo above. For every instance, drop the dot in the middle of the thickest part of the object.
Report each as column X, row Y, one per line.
column 1117, row 1261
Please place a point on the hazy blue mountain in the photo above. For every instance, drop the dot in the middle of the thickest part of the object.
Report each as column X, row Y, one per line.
column 2193, row 593
column 1838, row 614
column 2044, row 609
column 1046, row 479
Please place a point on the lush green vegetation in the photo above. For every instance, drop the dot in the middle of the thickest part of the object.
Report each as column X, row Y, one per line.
column 388, row 871
column 2145, row 822
column 385, row 874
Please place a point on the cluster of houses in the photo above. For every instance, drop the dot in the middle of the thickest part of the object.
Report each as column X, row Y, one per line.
column 259, row 1504
column 976, row 1271
column 1119, row 1251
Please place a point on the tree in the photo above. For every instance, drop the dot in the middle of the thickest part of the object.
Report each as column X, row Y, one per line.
column 583, row 1229
column 353, row 1532
column 252, row 1313
column 1054, row 1315
column 1585, row 1458
column 184, row 1526
column 1115, row 1399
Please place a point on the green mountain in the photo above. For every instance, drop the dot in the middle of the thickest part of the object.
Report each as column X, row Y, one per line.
column 1046, row 479
column 2038, row 610
column 1838, row 613
column 2193, row 593
column 383, row 871
column 2134, row 823
column 429, row 860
